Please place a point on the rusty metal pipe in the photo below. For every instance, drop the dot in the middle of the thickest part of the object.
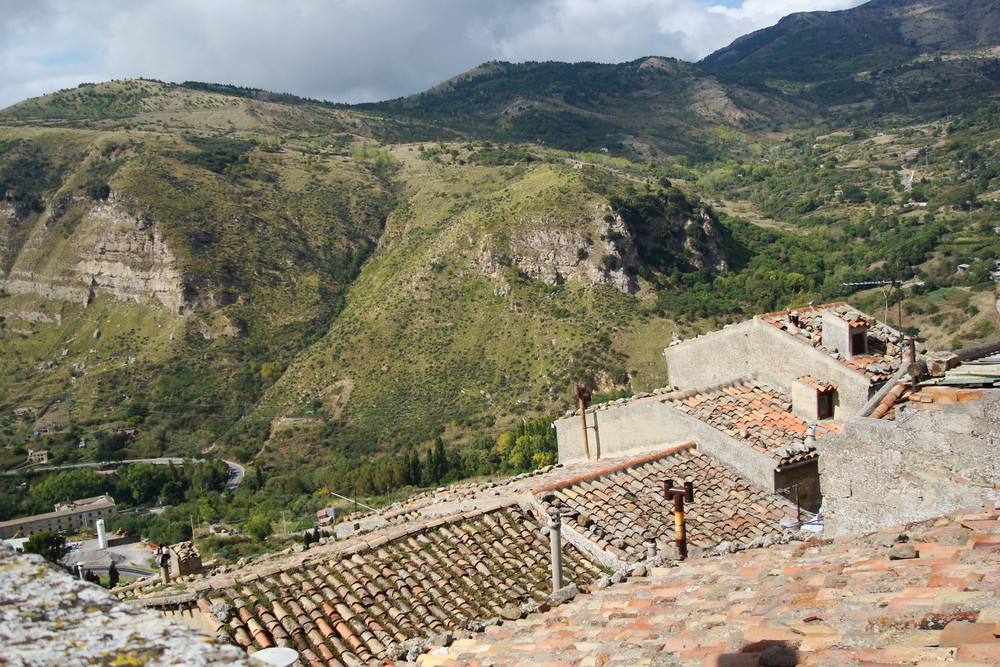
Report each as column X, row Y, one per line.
column 679, row 495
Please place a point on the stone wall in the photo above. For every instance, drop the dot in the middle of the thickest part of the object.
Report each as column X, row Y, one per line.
column 925, row 463
column 805, row 476
column 50, row 618
column 649, row 424
column 756, row 348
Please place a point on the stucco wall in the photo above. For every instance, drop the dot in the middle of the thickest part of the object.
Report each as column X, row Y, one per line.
column 756, row 348
column 923, row 464
column 649, row 424
column 806, row 476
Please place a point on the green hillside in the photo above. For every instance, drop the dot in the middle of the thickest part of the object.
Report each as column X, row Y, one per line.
column 883, row 59
column 264, row 233
column 645, row 107
column 321, row 290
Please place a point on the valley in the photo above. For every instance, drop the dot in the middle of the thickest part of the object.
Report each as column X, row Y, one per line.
column 325, row 292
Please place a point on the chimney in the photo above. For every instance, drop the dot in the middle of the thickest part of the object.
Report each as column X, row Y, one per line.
column 102, row 537
column 811, row 435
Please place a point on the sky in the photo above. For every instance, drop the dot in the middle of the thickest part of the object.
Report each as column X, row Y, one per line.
column 350, row 50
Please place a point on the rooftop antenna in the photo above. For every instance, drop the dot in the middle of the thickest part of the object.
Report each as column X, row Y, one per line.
column 885, row 292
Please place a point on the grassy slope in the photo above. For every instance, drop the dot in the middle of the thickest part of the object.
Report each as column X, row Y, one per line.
column 427, row 339
column 278, row 242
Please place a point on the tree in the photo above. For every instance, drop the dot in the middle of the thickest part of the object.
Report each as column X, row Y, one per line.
column 436, row 465
column 112, row 575
column 172, row 493
column 70, row 485
column 49, row 545
column 259, row 526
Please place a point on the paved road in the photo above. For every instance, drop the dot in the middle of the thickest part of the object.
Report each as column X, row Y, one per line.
column 123, row 570
column 236, row 471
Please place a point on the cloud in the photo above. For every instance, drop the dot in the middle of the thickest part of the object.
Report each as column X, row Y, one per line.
column 350, row 50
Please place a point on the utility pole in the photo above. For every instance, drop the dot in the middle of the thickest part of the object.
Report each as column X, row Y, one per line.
column 584, row 395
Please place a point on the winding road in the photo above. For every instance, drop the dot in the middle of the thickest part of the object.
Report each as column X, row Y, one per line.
column 236, row 471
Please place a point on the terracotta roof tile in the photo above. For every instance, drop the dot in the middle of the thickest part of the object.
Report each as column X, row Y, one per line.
column 631, row 502
column 756, row 414
column 827, row 602
column 807, row 324
column 351, row 609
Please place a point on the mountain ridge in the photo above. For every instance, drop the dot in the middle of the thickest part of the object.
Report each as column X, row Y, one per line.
column 350, row 282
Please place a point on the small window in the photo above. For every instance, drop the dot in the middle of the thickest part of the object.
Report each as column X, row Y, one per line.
column 858, row 341
column 824, row 405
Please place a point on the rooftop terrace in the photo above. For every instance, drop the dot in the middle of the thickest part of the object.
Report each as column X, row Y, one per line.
column 806, row 324
column 616, row 508
column 920, row 594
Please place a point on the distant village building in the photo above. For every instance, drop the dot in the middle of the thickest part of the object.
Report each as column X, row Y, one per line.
column 67, row 516
column 39, row 455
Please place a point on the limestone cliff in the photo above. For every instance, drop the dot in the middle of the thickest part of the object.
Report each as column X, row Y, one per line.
column 109, row 252
column 556, row 255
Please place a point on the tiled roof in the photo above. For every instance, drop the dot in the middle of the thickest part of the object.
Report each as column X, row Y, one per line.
column 614, row 509
column 756, row 414
column 885, row 353
column 185, row 550
column 856, row 600
column 352, row 606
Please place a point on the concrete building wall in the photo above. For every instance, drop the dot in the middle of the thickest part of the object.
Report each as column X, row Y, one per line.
column 192, row 617
column 54, row 521
column 804, row 476
column 649, row 424
column 757, row 348
column 923, row 464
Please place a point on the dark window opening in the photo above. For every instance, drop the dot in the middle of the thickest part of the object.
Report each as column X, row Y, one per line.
column 858, row 343
column 824, row 405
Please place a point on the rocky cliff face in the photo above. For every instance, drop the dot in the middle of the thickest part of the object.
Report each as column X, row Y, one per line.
column 110, row 252
column 558, row 255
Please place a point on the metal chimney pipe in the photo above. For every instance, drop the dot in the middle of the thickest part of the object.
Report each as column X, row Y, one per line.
column 164, row 566
column 650, row 544
column 555, row 542
column 679, row 494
